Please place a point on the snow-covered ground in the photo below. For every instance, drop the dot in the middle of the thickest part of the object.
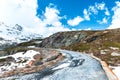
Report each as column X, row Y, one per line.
column 20, row 56
column 29, row 54
column 116, row 70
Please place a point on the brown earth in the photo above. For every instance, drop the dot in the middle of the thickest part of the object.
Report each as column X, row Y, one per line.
column 48, row 59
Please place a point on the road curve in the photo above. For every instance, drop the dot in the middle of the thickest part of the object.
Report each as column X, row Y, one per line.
column 75, row 66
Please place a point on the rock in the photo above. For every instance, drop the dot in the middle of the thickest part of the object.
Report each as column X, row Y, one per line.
column 76, row 62
column 114, row 48
column 63, row 39
column 38, row 57
column 115, row 54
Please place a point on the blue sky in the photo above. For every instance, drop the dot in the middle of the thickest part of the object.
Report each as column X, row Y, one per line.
column 71, row 9
column 46, row 17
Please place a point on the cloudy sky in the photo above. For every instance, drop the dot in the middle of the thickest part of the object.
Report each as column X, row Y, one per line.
column 49, row 16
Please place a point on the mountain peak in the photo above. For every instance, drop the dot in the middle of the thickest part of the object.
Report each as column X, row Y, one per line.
column 18, row 27
column 15, row 34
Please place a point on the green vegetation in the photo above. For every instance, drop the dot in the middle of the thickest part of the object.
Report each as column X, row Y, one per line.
column 3, row 60
column 29, row 43
column 13, row 79
column 80, row 48
column 26, row 44
column 13, row 50
column 104, row 40
column 111, row 60
column 19, row 48
column 108, row 44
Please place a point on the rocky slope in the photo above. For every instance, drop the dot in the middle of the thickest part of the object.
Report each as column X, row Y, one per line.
column 61, row 39
column 104, row 44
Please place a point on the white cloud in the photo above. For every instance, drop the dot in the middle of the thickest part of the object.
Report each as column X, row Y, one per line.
column 100, row 6
column 104, row 21
column 53, row 20
column 107, row 13
column 93, row 9
column 75, row 21
column 23, row 12
column 88, row 29
column 116, row 17
column 86, row 14
column 51, row 15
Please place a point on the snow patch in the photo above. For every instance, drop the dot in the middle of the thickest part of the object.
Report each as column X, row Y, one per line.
column 62, row 66
column 21, row 60
column 114, row 48
column 31, row 46
column 102, row 52
column 115, row 54
column 116, row 70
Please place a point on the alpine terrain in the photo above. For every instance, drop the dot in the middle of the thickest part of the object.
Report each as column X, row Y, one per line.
column 12, row 35
column 97, row 57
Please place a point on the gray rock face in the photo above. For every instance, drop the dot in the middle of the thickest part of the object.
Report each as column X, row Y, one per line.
column 63, row 39
column 76, row 66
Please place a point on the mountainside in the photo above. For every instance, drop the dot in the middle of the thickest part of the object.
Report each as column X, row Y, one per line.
column 104, row 44
column 36, row 60
column 12, row 35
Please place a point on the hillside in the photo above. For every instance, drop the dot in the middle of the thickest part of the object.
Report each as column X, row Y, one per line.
column 104, row 44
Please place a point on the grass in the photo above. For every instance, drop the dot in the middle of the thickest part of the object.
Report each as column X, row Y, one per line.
column 26, row 44
column 3, row 60
column 108, row 44
column 101, row 42
column 81, row 47
column 29, row 43
column 13, row 50
column 20, row 47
